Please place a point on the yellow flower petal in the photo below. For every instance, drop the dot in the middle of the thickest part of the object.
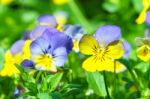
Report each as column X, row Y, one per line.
column 115, row 50
column 90, row 64
column 61, row 19
column 143, row 52
column 115, row 65
column 26, row 50
column 9, row 70
column 146, row 4
column 18, row 58
column 142, row 16
column 109, row 65
column 59, row 27
column 8, row 56
column 76, row 46
column 60, row 2
column 5, row 2
column 88, row 45
column 45, row 62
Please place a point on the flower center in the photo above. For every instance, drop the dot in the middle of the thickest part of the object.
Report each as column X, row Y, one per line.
column 44, row 61
column 100, row 54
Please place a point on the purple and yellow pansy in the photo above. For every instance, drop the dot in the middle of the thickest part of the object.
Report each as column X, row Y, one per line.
column 50, row 50
column 105, row 47
column 19, row 51
column 76, row 32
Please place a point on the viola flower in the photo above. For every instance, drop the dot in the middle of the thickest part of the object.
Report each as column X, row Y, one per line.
column 18, row 52
column 50, row 50
column 61, row 18
column 127, row 49
column 105, row 47
column 45, row 22
column 37, row 32
column 142, row 16
column 143, row 51
column 76, row 32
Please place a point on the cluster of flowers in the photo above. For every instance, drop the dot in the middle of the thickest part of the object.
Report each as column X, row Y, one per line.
column 47, row 46
column 143, row 51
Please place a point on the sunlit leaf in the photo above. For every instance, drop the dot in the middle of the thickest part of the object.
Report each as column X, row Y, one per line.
column 44, row 96
column 96, row 82
column 54, row 80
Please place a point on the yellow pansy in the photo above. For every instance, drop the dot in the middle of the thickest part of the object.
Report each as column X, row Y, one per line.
column 61, row 19
column 9, row 68
column 104, row 48
column 11, row 60
column 103, row 58
column 142, row 16
column 143, row 51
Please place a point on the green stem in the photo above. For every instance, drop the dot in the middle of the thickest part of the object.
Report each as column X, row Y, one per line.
column 115, row 79
column 106, row 87
column 149, row 74
column 38, row 76
column 80, row 17
column 70, row 70
column 135, row 77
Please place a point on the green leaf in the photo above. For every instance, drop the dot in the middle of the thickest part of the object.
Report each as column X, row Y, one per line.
column 1, row 57
column 72, row 91
column 143, row 67
column 96, row 82
column 32, row 87
column 137, row 5
column 110, row 7
column 44, row 96
column 56, row 95
column 54, row 80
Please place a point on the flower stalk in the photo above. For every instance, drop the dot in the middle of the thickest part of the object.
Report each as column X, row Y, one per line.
column 106, row 86
column 80, row 17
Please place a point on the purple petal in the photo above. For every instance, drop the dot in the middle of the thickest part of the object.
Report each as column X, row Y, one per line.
column 26, row 35
column 39, row 46
column 27, row 63
column 107, row 33
column 62, row 40
column 58, row 39
column 16, row 92
column 73, row 30
column 49, row 33
column 127, row 48
column 17, row 47
column 38, row 31
column 47, row 20
column 148, row 18
column 60, row 56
